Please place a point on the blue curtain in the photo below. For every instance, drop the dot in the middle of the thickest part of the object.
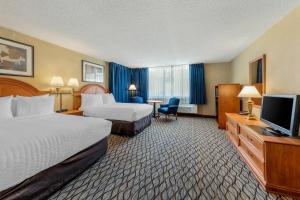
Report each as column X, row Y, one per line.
column 197, row 84
column 259, row 72
column 140, row 77
column 119, row 81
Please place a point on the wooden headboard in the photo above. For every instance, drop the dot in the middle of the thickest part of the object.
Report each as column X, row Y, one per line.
column 15, row 87
column 87, row 89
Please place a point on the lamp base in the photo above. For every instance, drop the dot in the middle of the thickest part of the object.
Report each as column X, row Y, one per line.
column 251, row 117
column 250, row 106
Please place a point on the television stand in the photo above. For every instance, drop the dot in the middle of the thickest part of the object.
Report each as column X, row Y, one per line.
column 273, row 160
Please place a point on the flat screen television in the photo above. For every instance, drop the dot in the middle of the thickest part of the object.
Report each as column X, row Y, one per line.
column 281, row 113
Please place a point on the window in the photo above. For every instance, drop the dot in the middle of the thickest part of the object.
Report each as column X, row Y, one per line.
column 165, row 82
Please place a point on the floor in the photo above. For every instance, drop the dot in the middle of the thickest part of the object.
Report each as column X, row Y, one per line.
column 185, row 159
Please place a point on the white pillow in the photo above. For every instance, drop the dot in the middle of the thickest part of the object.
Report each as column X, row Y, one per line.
column 5, row 107
column 108, row 98
column 36, row 105
column 91, row 100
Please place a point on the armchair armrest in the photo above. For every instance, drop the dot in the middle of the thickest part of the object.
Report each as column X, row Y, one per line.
column 164, row 105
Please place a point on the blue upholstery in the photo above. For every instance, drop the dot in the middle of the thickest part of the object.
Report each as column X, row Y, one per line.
column 137, row 99
column 170, row 108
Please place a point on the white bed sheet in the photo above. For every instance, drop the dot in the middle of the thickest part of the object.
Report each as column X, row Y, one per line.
column 29, row 145
column 119, row 111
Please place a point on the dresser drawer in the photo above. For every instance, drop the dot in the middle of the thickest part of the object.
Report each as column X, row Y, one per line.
column 250, row 138
column 252, row 156
column 232, row 122
column 232, row 128
column 232, row 133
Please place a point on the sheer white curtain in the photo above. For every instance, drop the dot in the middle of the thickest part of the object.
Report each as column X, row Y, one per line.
column 169, row 81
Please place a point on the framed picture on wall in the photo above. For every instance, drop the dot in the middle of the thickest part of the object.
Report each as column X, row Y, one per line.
column 92, row 72
column 16, row 59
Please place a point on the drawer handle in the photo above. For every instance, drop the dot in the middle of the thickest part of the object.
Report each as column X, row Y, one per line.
column 249, row 138
column 250, row 154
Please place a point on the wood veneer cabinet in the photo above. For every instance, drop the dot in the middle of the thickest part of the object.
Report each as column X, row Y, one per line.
column 275, row 161
column 227, row 101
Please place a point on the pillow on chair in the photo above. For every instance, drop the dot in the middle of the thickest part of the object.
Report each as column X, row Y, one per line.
column 137, row 99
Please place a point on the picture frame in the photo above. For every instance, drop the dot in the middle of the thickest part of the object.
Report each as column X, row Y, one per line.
column 92, row 72
column 16, row 58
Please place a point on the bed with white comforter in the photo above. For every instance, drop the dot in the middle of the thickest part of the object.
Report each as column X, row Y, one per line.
column 31, row 144
column 118, row 111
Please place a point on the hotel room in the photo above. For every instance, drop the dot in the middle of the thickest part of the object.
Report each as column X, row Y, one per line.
column 143, row 99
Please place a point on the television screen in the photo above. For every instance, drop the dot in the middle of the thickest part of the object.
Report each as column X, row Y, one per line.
column 280, row 113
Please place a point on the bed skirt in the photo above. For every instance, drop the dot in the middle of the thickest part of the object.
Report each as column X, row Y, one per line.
column 127, row 128
column 47, row 182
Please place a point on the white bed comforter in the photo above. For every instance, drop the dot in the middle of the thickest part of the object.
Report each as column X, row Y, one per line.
column 119, row 111
column 29, row 145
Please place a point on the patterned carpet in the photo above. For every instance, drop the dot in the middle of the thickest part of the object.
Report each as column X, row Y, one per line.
column 185, row 159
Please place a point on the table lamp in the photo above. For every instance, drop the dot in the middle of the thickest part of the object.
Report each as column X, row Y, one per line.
column 58, row 82
column 132, row 89
column 249, row 92
column 73, row 83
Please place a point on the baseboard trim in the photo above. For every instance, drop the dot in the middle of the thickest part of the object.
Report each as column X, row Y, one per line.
column 196, row 115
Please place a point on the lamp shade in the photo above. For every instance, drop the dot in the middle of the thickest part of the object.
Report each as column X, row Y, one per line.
column 73, row 82
column 132, row 87
column 249, row 92
column 57, row 81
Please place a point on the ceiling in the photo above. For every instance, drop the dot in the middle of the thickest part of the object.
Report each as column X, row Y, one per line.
column 147, row 32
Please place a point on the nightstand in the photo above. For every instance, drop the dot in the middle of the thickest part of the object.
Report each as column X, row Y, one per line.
column 73, row 112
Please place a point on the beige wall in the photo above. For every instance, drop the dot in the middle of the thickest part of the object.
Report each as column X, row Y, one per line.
column 281, row 44
column 51, row 60
column 215, row 73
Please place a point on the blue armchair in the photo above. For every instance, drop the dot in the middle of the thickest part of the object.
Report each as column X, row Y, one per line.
column 170, row 108
column 137, row 99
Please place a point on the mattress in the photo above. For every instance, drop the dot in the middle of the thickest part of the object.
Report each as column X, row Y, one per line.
column 29, row 145
column 119, row 111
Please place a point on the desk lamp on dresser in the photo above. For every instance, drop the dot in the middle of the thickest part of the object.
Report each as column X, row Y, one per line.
column 249, row 92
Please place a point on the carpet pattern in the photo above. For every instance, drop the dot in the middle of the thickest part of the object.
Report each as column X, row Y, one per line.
column 185, row 159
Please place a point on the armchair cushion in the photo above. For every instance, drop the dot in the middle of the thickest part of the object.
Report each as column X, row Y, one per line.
column 163, row 110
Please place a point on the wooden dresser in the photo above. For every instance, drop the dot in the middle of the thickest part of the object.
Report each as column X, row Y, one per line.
column 275, row 161
column 227, row 101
